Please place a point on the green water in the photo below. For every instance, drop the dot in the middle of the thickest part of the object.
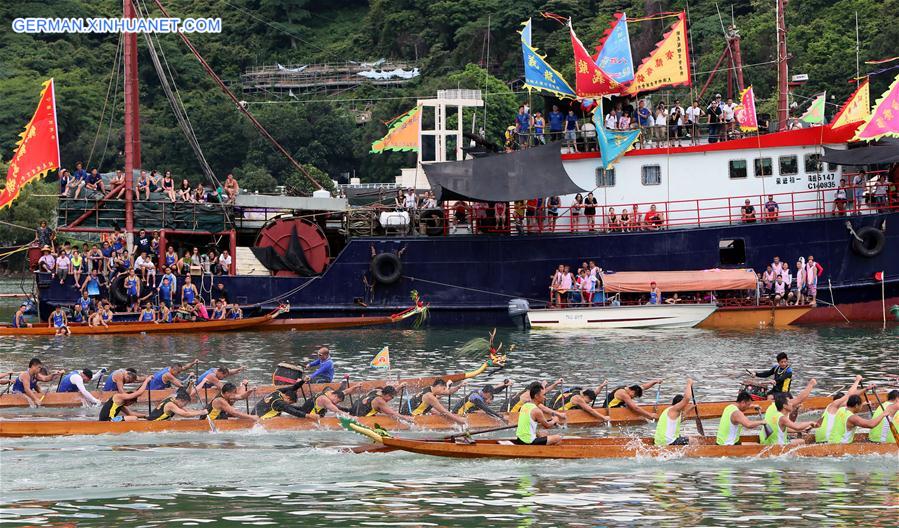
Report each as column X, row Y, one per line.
column 303, row 478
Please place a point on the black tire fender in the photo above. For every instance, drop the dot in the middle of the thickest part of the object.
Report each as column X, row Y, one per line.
column 117, row 291
column 871, row 244
column 386, row 268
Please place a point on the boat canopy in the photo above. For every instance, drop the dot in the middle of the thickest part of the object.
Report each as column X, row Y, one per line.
column 680, row 281
column 519, row 175
column 884, row 151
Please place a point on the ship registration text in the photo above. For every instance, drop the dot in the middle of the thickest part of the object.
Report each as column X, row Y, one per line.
column 822, row 181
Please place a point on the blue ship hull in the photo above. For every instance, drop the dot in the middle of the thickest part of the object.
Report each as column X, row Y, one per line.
column 470, row 279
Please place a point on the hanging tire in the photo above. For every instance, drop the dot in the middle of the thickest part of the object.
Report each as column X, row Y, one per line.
column 871, row 244
column 117, row 291
column 386, row 268
column 433, row 221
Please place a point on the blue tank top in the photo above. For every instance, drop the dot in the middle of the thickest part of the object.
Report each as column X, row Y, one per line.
column 653, row 298
column 169, row 260
column 189, row 295
column 146, row 316
column 78, row 317
column 131, row 284
column 216, row 314
column 93, row 287
column 156, row 383
column 58, row 320
column 66, row 384
column 110, row 382
column 209, row 372
column 18, row 321
column 165, row 291
column 85, row 304
column 107, row 316
column 18, row 387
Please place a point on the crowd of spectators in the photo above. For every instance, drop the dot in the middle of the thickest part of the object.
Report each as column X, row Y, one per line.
column 79, row 182
column 785, row 288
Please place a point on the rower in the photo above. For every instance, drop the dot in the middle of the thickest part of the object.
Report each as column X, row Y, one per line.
column 783, row 375
column 116, row 408
column 324, row 401
column 213, row 377
column 59, row 321
column 428, row 401
column 881, row 433
column 174, row 405
column 74, row 382
column 577, row 398
column 168, row 376
column 378, row 401
column 26, row 382
column 531, row 417
column 847, row 421
column 119, row 378
column 481, row 400
column 221, row 407
column 281, row 401
column 779, row 423
column 325, row 371
column 834, row 408
column 734, row 419
column 525, row 396
column 668, row 428
column 624, row 397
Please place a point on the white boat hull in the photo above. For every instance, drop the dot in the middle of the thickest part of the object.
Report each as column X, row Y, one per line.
column 644, row 316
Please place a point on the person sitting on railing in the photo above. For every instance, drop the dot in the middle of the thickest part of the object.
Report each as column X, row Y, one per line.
column 65, row 182
column 747, row 213
column 79, row 176
column 168, row 186
column 155, row 181
column 460, row 215
column 185, row 191
column 624, row 221
column 94, row 181
column 840, row 200
column 772, row 210
column 199, row 194
column 117, row 181
column 654, row 219
column 637, row 219
column 694, row 113
column 232, row 188
column 768, row 277
column 143, row 186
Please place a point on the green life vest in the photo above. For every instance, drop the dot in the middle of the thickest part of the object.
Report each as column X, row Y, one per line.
column 778, row 436
column 823, row 432
column 527, row 427
column 841, row 433
column 728, row 433
column 667, row 430
column 881, row 432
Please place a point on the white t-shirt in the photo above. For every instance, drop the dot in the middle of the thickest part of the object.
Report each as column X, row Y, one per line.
column 727, row 111
column 225, row 261
column 410, row 201
column 693, row 114
column 140, row 263
column 611, row 121
column 589, row 130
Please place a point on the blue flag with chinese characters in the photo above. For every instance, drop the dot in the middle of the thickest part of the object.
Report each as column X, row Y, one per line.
column 538, row 75
column 615, row 57
column 612, row 143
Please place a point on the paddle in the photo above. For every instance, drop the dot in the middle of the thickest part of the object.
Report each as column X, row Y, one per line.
column 696, row 412
column 655, row 407
column 768, row 430
column 887, row 418
column 9, row 385
column 870, row 409
column 380, row 448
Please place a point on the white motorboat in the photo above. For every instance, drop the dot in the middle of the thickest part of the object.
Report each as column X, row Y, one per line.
column 636, row 316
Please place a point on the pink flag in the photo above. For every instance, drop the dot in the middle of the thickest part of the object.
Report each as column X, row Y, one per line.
column 884, row 119
column 745, row 111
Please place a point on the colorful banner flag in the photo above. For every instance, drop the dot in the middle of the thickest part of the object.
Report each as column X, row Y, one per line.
column 538, row 74
column 403, row 134
column 612, row 143
column 745, row 111
column 815, row 113
column 37, row 152
column 857, row 107
column 382, row 359
column 614, row 49
column 668, row 64
column 884, row 118
column 590, row 81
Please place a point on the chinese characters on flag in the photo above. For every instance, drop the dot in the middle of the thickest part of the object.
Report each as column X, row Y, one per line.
column 745, row 111
column 857, row 108
column 884, row 119
column 38, row 150
column 590, row 81
column 668, row 64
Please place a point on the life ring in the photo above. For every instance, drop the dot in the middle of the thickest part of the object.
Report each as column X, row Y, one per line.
column 433, row 221
column 117, row 291
column 386, row 268
column 871, row 244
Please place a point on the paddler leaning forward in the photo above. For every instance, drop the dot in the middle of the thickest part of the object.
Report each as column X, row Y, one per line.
column 848, row 420
column 378, row 402
column 281, row 401
column 531, row 417
column 222, row 406
column 624, row 397
column 734, row 419
column 116, row 408
column 175, row 405
column 427, row 401
column 577, row 398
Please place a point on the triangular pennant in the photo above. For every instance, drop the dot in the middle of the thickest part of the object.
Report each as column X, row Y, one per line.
column 590, row 81
column 815, row 113
column 857, row 107
column 668, row 64
column 538, row 74
column 615, row 57
column 612, row 143
column 403, row 133
column 381, row 359
column 884, row 118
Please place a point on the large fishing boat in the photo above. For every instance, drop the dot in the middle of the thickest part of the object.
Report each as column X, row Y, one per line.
column 327, row 259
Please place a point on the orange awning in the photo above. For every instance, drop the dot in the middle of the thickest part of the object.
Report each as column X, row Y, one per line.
column 681, row 281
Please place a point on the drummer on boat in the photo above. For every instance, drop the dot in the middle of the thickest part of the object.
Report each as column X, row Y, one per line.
column 27, row 381
column 782, row 373
column 74, row 382
column 531, row 418
column 734, row 419
column 583, row 399
column 325, row 371
column 624, row 397
column 427, row 401
column 116, row 408
column 222, row 406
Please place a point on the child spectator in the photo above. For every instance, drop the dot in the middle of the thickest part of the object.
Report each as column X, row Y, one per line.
column 165, row 292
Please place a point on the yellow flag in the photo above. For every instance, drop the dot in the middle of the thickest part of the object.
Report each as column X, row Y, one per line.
column 668, row 64
column 382, row 359
column 857, row 107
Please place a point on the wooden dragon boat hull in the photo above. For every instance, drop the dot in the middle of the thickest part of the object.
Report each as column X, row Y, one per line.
column 223, row 325
column 750, row 317
column 625, row 447
column 73, row 399
column 15, row 428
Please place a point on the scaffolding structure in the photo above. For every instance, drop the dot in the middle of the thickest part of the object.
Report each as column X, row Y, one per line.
column 333, row 77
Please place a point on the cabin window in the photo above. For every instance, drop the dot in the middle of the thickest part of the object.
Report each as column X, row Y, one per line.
column 651, row 175
column 732, row 252
column 813, row 163
column 737, row 169
column 789, row 165
column 605, row 177
column 763, row 167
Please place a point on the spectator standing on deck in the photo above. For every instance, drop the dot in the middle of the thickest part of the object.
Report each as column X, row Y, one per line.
column 539, row 126
column 571, row 129
column 523, row 126
column 694, row 113
column 714, row 111
column 556, row 124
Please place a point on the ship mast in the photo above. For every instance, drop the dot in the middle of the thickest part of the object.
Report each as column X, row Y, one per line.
column 782, row 74
column 132, row 119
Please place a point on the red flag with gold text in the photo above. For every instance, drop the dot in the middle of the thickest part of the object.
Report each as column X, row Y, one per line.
column 590, row 80
column 37, row 152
